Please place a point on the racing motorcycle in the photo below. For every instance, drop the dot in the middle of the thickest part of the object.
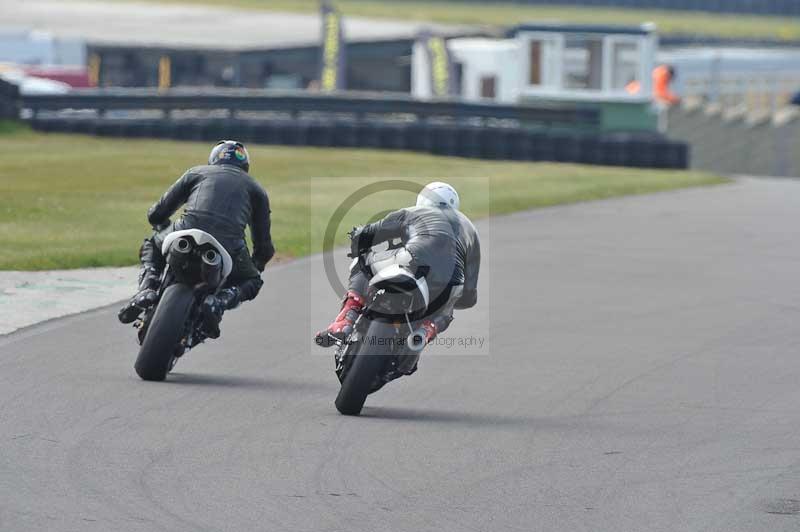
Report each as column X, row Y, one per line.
column 196, row 266
column 386, row 340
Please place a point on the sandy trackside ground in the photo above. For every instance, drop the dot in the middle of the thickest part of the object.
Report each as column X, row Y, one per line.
column 31, row 297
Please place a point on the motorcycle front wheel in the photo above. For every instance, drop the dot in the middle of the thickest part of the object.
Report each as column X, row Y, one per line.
column 164, row 333
column 367, row 365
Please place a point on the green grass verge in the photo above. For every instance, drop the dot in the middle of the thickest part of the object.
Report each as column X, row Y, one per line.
column 509, row 13
column 12, row 127
column 74, row 201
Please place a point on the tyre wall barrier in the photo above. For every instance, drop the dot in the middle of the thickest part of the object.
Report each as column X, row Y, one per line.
column 643, row 150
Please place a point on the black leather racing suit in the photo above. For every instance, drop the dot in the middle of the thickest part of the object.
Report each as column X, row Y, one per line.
column 444, row 247
column 221, row 200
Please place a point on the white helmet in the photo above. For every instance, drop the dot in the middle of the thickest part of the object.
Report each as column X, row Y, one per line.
column 438, row 194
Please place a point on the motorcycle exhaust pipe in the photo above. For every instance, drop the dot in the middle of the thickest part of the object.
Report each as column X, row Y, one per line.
column 211, row 269
column 416, row 340
column 212, row 258
column 182, row 246
column 179, row 254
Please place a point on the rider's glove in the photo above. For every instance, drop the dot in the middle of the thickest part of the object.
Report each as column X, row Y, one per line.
column 358, row 242
column 163, row 225
column 260, row 263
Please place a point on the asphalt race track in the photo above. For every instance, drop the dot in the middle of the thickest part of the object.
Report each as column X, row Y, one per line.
column 643, row 374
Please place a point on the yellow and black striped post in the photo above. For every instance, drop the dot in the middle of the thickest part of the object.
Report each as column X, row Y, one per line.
column 164, row 73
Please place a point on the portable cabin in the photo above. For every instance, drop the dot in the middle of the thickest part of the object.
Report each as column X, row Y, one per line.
column 597, row 66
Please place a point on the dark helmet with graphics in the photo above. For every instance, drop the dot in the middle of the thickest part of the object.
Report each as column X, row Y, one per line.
column 230, row 152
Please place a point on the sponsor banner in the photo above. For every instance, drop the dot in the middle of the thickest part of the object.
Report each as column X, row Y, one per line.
column 441, row 66
column 333, row 62
column 164, row 73
column 93, row 70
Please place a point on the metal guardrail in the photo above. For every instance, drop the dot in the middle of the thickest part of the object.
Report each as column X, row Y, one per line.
column 359, row 105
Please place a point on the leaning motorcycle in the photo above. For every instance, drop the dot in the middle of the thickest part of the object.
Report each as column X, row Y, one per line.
column 386, row 340
column 196, row 266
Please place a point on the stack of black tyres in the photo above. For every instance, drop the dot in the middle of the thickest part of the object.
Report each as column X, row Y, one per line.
column 643, row 150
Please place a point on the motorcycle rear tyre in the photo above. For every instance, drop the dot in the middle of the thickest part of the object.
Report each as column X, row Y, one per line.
column 160, row 344
column 366, row 367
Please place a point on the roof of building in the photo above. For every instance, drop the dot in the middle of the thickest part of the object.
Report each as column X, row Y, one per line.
column 643, row 29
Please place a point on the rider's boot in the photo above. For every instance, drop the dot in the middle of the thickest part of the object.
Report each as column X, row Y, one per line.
column 343, row 324
column 214, row 306
column 145, row 298
column 431, row 330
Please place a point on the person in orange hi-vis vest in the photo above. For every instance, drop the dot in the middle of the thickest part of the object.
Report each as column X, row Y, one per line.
column 663, row 75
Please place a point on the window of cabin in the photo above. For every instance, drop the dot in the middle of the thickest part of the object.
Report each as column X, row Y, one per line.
column 583, row 62
column 625, row 64
column 488, row 87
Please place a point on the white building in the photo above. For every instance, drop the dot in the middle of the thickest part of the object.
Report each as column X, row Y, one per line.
column 552, row 62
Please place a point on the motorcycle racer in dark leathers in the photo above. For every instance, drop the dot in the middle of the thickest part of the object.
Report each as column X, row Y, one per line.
column 222, row 199
column 443, row 246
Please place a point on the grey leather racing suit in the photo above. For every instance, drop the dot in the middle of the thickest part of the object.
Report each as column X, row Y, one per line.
column 444, row 247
